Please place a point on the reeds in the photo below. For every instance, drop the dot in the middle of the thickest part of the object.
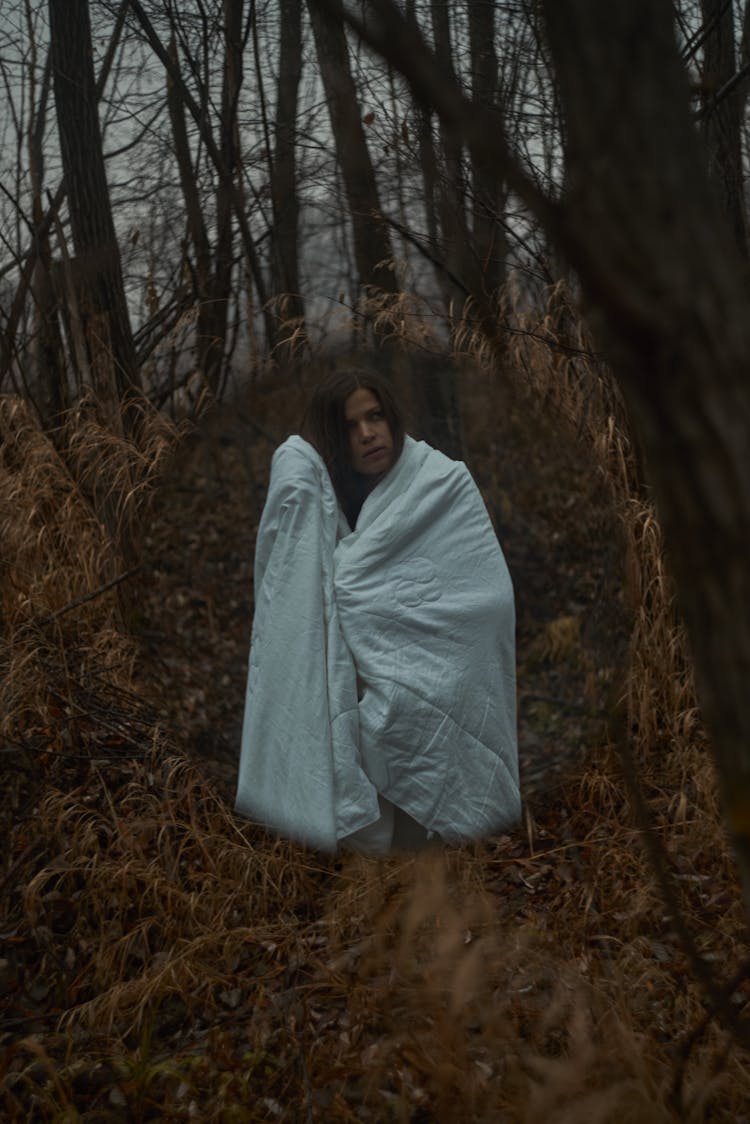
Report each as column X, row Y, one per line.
column 68, row 509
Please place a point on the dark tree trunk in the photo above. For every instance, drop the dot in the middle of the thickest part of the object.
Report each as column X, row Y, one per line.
column 46, row 346
column 372, row 244
column 663, row 271
column 285, row 256
column 196, row 225
column 216, row 154
column 489, row 197
column 435, row 404
column 213, row 265
column 214, row 341
column 103, row 304
column 722, row 123
column 456, row 243
column 428, row 167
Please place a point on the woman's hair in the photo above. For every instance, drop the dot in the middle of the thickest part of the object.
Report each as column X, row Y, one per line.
column 324, row 426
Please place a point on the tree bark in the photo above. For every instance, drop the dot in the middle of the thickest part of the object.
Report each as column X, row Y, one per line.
column 427, row 165
column 723, row 115
column 225, row 175
column 196, row 225
column 215, row 338
column 46, row 350
column 372, row 244
column 104, row 306
column 213, row 265
column 456, row 243
column 285, row 254
column 664, row 275
column 490, row 244
column 435, row 403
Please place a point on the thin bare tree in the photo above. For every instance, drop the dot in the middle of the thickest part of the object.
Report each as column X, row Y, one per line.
column 488, row 195
column 372, row 245
column 284, row 188
column 101, row 292
column 724, row 98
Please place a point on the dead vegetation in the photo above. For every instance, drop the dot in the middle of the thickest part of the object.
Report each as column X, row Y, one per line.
column 163, row 960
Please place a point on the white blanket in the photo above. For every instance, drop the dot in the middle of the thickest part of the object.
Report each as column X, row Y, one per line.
column 417, row 602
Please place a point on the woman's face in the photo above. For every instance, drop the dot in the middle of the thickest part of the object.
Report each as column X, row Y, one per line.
column 370, row 438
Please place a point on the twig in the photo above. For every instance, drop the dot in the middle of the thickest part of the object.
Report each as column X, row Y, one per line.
column 14, row 747
column 724, row 92
column 85, row 597
column 502, row 325
column 562, row 704
column 100, row 717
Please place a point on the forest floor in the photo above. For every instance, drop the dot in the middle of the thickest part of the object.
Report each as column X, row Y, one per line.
column 165, row 961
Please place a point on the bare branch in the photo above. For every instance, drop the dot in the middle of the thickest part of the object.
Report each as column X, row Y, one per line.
column 400, row 43
column 92, row 594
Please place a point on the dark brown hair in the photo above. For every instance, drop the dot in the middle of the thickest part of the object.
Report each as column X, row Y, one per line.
column 324, row 426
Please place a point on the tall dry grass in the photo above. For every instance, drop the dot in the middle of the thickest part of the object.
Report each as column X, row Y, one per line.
column 68, row 502
column 66, row 660
column 197, row 969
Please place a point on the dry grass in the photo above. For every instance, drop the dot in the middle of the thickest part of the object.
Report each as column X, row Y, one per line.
column 174, row 963
column 64, row 654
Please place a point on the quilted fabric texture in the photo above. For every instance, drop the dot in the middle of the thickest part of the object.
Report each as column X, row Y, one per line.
column 417, row 603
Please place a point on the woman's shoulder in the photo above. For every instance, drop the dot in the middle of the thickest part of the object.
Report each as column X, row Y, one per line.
column 295, row 451
column 296, row 459
column 433, row 462
column 297, row 470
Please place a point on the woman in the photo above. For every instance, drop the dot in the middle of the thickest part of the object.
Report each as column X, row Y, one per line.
column 381, row 692
column 355, row 425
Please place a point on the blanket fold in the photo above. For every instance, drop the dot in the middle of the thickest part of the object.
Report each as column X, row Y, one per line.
column 417, row 603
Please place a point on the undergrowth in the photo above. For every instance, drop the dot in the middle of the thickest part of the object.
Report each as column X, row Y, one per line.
column 164, row 960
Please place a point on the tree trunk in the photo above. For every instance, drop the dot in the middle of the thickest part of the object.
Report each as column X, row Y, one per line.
column 372, row 244
column 489, row 197
column 47, row 361
column 213, row 343
column 722, row 121
column 214, row 152
column 664, row 274
column 285, row 252
column 196, row 225
column 104, row 307
column 456, row 243
column 435, row 403
column 428, row 167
